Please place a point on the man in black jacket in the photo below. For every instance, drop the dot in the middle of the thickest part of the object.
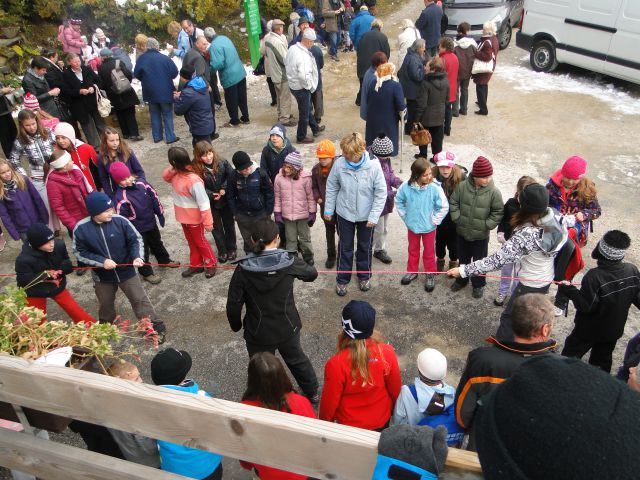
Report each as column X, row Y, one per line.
column 371, row 42
column 263, row 284
column 603, row 301
column 42, row 267
column 489, row 366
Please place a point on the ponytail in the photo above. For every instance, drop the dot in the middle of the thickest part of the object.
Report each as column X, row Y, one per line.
column 263, row 233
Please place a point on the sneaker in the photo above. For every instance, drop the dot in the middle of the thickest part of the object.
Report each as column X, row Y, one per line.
column 215, row 136
column 408, row 278
column 477, row 292
column 152, row 279
column 306, row 140
column 334, row 57
column 191, row 271
column 558, row 311
column 230, row 125
column 331, row 262
column 364, row 285
column 455, row 286
column 210, row 272
column 499, row 300
column 137, row 138
column 430, row 282
column 341, row 290
column 321, row 129
column 177, row 139
column 382, row 256
column 245, row 122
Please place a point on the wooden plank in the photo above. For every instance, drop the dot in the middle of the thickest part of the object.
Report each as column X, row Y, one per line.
column 290, row 442
column 55, row 461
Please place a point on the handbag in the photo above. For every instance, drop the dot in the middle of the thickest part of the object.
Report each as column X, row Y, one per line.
column 482, row 67
column 63, row 108
column 104, row 105
column 259, row 70
column 420, row 136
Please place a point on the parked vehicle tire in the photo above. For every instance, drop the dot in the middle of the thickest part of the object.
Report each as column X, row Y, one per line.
column 543, row 56
column 504, row 35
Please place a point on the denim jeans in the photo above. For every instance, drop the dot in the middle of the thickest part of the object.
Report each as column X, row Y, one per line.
column 333, row 43
column 462, row 97
column 162, row 113
column 305, row 117
column 364, row 236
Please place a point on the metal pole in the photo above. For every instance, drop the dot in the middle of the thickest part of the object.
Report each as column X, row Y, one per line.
column 401, row 133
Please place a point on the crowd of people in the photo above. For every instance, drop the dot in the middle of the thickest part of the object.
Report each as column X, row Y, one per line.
column 100, row 193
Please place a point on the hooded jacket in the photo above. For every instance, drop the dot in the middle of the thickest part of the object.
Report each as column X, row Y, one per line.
column 216, row 181
column 422, row 209
column 20, row 209
column 431, row 99
column 107, row 183
column 263, row 284
column 475, row 210
column 251, row 195
column 409, row 412
column 194, row 103
column 451, row 66
column 67, row 192
column 465, row 49
column 294, row 198
column 271, row 159
column 532, row 248
column 140, row 204
column 32, row 263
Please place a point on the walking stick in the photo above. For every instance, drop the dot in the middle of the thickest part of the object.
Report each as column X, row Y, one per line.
column 401, row 133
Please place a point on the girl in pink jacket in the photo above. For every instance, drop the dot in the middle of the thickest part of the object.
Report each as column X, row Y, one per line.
column 295, row 205
column 193, row 211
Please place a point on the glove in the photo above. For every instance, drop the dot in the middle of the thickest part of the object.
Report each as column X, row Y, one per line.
column 312, row 219
column 420, row 446
column 161, row 220
column 278, row 217
column 501, row 238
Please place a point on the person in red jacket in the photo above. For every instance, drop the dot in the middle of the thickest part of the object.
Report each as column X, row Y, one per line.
column 451, row 65
column 268, row 386
column 362, row 381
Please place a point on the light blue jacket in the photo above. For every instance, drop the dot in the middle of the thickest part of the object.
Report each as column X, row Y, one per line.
column 408, row 411
column 422, row 208
column 225, row 59
column 189, row 462
column 183, row 45
column 360, row 25
column 356, row 194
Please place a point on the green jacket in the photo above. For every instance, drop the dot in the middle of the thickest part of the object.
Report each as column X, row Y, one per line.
column 475, row 211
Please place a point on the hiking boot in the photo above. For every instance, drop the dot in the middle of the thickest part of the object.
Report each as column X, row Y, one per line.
column 290, row 123
column 477, row 292
column 453, row 264
column 364, row 285
column 499, row 300
column 210, row 272
column 306, row 140
column 314, row 399
column 383, row 256
column 430, row 282
column 341, row 289
column 331, row 261
column 152, row 279
column 456, row 286
column 408, row 278
column 191, row 271
column 440, row 264
column 321, row 129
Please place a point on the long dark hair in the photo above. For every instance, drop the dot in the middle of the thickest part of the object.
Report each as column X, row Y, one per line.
column 268, row 382
column 179, row 159
column 200, row 150
column 418, row 167
column 262, row 234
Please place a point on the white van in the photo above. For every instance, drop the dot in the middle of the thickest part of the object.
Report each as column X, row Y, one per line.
column 599, row 35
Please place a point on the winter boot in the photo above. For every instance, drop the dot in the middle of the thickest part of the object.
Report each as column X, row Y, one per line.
column 440, row 264
column 331, row 260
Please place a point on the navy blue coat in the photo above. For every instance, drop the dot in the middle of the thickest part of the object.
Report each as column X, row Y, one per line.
column 272, row 161
column 156, row 73
column 411, row 74
column 383, row 107
column 140, row 204
column 251, row 195
column 429, row 23
column 22, row 208
column 194, row 103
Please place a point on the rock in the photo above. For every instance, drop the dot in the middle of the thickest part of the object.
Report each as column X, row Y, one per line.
column 7, row 42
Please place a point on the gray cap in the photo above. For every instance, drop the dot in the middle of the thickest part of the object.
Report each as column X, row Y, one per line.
column 309, row 34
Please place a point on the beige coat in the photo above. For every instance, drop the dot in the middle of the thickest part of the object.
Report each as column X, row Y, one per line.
column 275, row 53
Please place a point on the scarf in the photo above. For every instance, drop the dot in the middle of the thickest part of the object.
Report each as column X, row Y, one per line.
column 32, row 72
column 9, row 186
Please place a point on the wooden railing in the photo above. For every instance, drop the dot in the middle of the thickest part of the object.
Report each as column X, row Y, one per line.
column 289, row 442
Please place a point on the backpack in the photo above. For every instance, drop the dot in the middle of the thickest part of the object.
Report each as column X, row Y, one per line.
column 447, row 419
column 569, row 260
column 119, row 82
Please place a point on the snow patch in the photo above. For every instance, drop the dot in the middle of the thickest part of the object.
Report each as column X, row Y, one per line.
column 621, row 170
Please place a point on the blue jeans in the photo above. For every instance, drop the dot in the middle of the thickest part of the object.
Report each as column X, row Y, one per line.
column 162, row 112
column 364, row 236
column 333, row 43
column 305, row 117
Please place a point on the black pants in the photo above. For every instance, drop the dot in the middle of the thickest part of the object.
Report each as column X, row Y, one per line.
column 216, row 475
column 482, row 93
column 236, row 98
column 437, row 135
column 505, row 332
column 462, row 97
column 8, row 133
column 448, row 116
column 197, row 138
column 412, row 105
column 224, row 230
column 295, row 359
column 601, row 352
column 97, row 438
column 330, row 234
column 153, row 244
column 272, row 91
column 359, row 91
column 468, row 252
column 245, row 224
column 216, row 99
column 128, row 122
column 447, row 239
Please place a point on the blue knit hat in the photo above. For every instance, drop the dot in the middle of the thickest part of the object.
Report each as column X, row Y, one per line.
column 98, row 202
column 358, row 319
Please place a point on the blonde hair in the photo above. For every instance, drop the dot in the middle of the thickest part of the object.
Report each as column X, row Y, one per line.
column 141, row 42
column 361, row 354
column 386, row 69
column 120, row 368
column 15, row 176
column 435, row 64
column 377, row 23
column 523, row 182
column 353, row 145
column 173, row 28
column 489, row 28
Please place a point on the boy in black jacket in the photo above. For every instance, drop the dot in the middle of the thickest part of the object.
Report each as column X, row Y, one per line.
column 42, row 267
column 603, row 301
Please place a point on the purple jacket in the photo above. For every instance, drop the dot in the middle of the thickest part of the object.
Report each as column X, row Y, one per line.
column 108, row 185
column 392, row 181
column 22, row 208
column 139, row 204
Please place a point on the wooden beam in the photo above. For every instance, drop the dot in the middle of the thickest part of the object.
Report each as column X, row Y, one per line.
column 55, row 461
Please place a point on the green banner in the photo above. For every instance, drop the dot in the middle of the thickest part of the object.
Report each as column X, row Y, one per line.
column 252, row 19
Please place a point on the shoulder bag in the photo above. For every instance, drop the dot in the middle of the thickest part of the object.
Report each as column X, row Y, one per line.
column 482, row 67
column 104, row 105
column 419, row 135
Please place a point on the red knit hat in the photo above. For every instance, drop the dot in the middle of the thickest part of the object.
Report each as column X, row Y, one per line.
column 119, row 171
column 482, row 168
column 31, row 102
column 574, row 168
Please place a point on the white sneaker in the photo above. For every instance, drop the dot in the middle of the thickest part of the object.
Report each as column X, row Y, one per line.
column 558, row 311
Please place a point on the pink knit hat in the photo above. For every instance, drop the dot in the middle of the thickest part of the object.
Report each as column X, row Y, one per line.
column 31, row 102
column 574, row 168
column 445, row 159
column 119, row 171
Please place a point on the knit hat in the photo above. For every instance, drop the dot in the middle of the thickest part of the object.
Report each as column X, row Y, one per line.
column 170, row 367
column 38, row 234
column 482, row 168
column 277, row 130
column 187, row 71
column 613, row 245
column 358, row 319
column 64, row 129
column 241, row 160
column 302, row 20
column 432, row 364
column 31, row 102
column 574, row 168
column 98, row 202
column 326, row 149
column 534, row 198
column 309, row 34
column 558, row 417
column 382, row 146
column 105, row 52
column 119, row 171
column 445, row 159
column 294, row 159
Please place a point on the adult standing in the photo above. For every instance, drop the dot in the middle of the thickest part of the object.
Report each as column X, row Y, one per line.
column 360, row 25
column 276, row 49
column 451, row 65
column 430, row 23
column 156, row 73
column 385, row 104
column 406, row 39
column 303, row 24
column 317, row 97
column 356, row 194
column 263, row 284
column 8, row 130
column 209, row 33
column 193, row 101
column 431, row 100
column 124, row 103
column 192, row 32
column 332, row 11
column 225, row 60
column 487, row 52
column 83, row 84
column 371, row 42
column 71, row 37
column 55, row 78
column 377, row 59
column 99, row 41
column 182, row 40
column 411, row 75
column 302, row 75
column 195, row 58
column 35, row 82
column 465, row 49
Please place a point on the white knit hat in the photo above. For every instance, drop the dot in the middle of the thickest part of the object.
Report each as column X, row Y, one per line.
column 64, row 129
column 432, row 364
